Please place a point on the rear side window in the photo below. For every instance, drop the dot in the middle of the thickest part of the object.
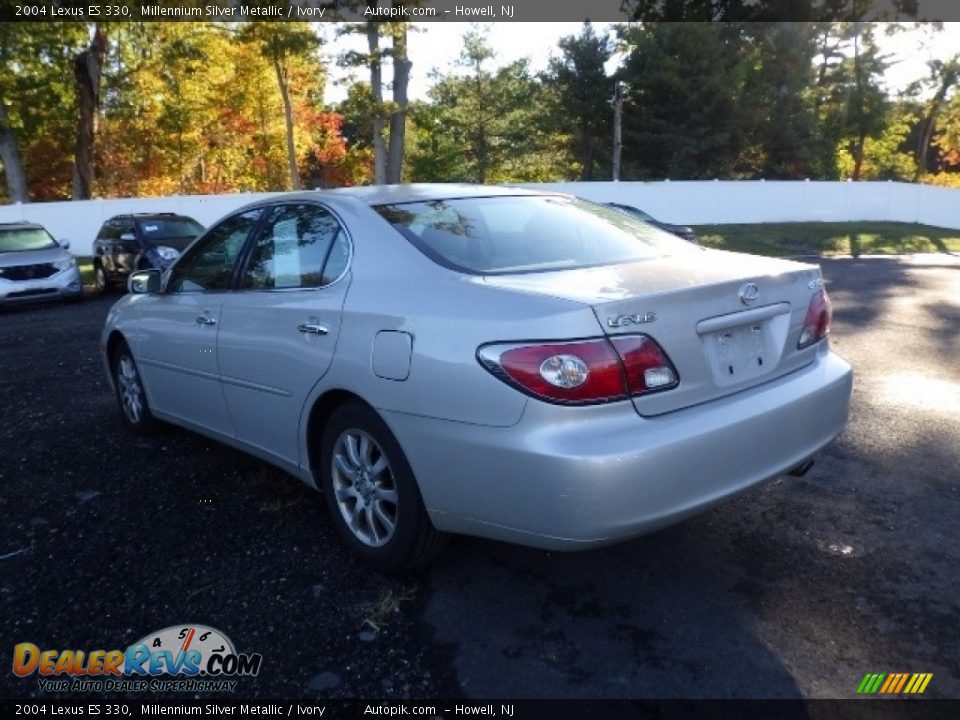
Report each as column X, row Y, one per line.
column 516, row 234
column 300, row 246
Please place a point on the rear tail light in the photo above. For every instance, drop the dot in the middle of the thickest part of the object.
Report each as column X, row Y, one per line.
column 816, row 325
column 646, row 365
column 583, row 372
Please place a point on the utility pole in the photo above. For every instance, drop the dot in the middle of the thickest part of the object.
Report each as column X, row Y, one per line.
column 617, row 122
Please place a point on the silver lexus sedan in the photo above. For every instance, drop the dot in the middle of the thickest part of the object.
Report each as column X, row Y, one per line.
column 516, row 365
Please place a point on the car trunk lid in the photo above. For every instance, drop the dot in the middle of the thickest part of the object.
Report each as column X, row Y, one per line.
column 727, row 321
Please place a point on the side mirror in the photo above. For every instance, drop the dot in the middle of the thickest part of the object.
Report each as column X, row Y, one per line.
column 64, row 243
column 144, row 282
column 128, row 237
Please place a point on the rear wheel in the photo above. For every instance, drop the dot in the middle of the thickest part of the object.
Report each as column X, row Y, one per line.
column 131, row 397
column 372, row 494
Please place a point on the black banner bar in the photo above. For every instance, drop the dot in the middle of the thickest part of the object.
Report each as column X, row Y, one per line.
column 865, row 709
column 473, row 10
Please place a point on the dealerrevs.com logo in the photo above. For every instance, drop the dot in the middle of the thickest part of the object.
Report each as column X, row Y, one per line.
column 189, row 658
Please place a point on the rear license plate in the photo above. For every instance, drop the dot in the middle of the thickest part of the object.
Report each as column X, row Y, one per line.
column 740, row 353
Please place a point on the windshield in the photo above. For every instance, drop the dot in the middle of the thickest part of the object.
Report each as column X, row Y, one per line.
column 25, row 239
column 174, row 232
column 516, row 234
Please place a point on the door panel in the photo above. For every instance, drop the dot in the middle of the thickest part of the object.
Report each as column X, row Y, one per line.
column 178, row 360
column 177, row 344
column 109, row 236
column 278, row 334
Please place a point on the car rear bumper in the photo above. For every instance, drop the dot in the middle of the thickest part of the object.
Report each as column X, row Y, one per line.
column 572, row 478
column 62, row 285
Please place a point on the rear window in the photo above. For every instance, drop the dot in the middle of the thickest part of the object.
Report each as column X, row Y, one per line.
column 518, row 234
column 25, row 239
column 636, row 212
column 175, row 232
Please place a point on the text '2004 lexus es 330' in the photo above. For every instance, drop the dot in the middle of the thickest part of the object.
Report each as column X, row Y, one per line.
column 497, row 362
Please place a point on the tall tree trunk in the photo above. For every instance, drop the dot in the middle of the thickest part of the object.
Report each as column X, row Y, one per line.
column 923, row 143
column 12, row 162
column 585, row 154
column 376, row 88
column 288, row 120
column 951, row 73
column 860, row 83
column 398, row 118
column 87, row 67
column 859, row 157
column 617, row 129
column 480, row 143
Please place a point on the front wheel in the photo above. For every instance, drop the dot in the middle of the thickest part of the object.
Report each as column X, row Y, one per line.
column 131, row 397
column 100, row 278
column 372, row 494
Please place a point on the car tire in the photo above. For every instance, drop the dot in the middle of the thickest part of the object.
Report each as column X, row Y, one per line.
column 100, row 278
column 131, row 396
column 372, row 494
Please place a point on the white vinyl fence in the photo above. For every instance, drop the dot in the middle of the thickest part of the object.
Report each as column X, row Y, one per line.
column 687, row 202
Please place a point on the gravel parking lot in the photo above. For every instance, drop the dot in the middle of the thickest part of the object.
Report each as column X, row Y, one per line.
column 798, row 588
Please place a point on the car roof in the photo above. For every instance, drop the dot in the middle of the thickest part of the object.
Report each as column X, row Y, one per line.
column 624, row 206
column 416, row 192
column 148, row 216
column 21, row 226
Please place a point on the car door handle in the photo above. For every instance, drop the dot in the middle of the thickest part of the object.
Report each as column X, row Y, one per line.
column 313, row 328
column 206, row 320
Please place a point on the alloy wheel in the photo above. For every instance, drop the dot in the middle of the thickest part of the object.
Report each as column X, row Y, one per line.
column 364, row 487
column 131, row 391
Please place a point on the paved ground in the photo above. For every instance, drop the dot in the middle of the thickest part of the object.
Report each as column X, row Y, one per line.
column 796, row 589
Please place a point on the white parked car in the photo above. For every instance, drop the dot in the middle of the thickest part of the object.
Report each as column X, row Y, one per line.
column 34, row 266
column 516, row 365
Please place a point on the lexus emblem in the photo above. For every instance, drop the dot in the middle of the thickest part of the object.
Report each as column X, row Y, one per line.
column 749, row 293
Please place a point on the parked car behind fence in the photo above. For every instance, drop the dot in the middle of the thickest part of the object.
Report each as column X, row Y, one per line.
column 139, row 241
column 34, row 266
column 681, row 231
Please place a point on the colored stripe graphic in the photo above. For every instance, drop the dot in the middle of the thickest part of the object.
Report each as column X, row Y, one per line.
column 899, row 686
column 914, row 681
column 894, row 683
column 892, row 680
column 918, row 683
column 870, row 683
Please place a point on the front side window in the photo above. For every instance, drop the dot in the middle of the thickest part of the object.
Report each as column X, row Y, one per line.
column 209, row 264
column 301, row 246
column 110, row 230
column 516, row 234
column 128, row 230
column 25, row 239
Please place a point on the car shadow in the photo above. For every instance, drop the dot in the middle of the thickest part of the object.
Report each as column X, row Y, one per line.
column 653, row 618
column 866, row 289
